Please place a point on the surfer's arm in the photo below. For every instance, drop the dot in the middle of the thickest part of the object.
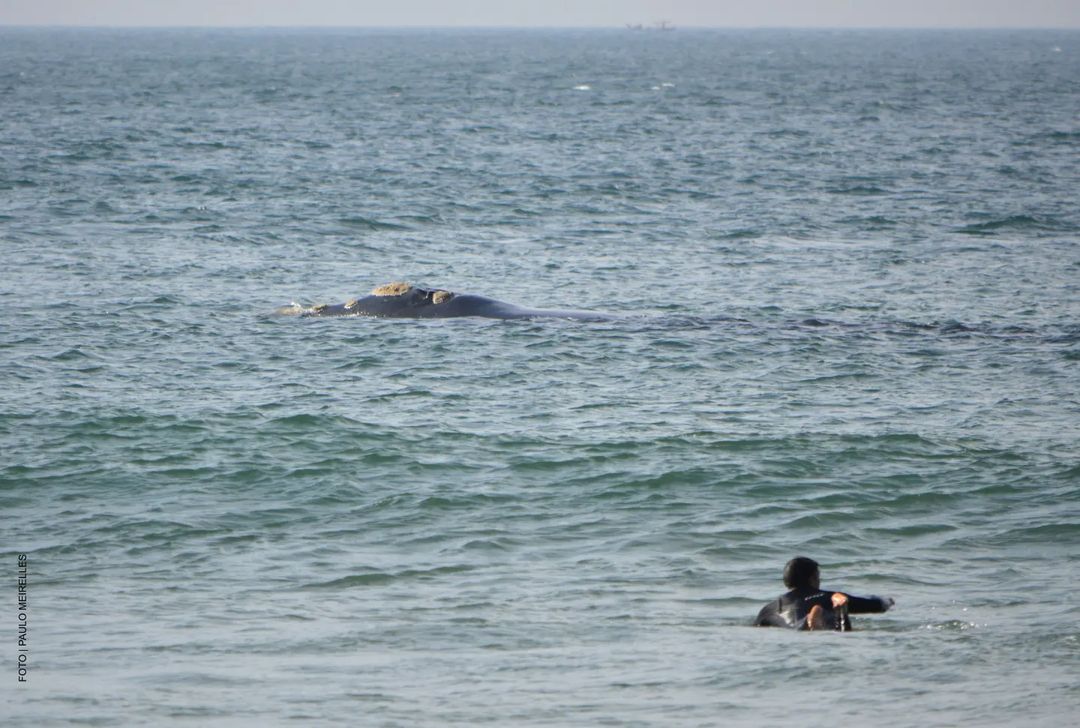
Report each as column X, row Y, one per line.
column 868, row 605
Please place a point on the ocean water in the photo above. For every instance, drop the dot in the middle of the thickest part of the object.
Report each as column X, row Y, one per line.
column 849, row 265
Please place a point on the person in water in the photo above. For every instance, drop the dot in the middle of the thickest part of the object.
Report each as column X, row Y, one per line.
column 808, row 606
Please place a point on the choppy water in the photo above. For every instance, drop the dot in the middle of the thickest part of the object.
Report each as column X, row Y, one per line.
column 852, row 262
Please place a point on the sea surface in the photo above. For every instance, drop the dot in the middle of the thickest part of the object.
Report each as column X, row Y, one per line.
column 849, row 264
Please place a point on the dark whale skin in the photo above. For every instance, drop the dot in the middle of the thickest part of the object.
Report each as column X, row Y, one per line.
column 438, row 303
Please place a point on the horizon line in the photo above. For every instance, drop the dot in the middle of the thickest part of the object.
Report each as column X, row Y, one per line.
column 645, row 29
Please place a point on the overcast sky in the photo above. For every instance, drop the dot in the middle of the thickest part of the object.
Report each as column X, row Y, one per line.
column 547, row 13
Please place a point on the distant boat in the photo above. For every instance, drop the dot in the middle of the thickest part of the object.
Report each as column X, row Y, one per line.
column 658, row 25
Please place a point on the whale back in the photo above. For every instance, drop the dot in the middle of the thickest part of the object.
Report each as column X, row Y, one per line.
column 401, row 300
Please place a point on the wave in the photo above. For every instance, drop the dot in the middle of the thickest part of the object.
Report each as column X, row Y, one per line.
column 1013, row 223
column 1059, row 137
column 1045, row 534
column 381, row 578
column 367, row 223
column 857, row 190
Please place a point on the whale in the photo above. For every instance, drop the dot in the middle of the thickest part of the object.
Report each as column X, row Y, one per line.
column 403, row 300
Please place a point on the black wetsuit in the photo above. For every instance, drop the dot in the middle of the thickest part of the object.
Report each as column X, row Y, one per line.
column 791, row 609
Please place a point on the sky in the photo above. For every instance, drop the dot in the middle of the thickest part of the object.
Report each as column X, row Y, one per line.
column 548, row 13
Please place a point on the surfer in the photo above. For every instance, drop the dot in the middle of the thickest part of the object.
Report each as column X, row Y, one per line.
column 808, row 606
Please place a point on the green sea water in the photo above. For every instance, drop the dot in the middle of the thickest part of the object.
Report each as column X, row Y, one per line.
column 848, row 267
